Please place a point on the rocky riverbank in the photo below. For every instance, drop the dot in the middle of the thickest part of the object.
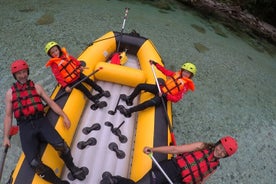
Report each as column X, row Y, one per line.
column 234, row 15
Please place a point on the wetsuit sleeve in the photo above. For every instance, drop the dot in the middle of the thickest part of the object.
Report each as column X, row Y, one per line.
column 164, row 70
column 57, row 75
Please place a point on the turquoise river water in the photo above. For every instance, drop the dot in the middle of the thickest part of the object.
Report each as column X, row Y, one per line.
column 235, row 83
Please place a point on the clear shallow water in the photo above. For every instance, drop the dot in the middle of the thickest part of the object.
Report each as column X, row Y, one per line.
column 235, row 84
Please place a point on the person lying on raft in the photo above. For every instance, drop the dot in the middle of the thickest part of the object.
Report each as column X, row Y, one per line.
column 68, row 71
column 177, row 84
column 193, row 164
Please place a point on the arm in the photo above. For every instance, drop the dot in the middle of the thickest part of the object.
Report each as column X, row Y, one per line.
column 53, row 105
column 8, row 117
column 77, row 62
column 175, row 149
column 59, row 78
column 164, row 70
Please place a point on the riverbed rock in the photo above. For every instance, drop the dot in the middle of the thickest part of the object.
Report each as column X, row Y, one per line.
column 200, row 47
column 45, row 19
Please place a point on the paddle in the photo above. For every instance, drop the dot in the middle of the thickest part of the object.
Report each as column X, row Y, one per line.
column 160, row 168
column 103, row 39
column 112, row 112
column 13, row 131
column 95, row 71
column 123, row 27
column 164, row 105
column 116, row 56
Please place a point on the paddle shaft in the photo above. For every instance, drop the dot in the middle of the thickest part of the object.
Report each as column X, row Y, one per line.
column 119, row 126
column 13, row 131
column 160, row 168
column 164, row 107
column 3, row 159
column 78, row 83
column 104, row 39
column 123, row 27
column 112, row 112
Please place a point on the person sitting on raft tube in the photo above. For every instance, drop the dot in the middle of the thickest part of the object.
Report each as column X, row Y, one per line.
column 24, row 101
column 68, row 71
column 193, row 164
column 177, row 84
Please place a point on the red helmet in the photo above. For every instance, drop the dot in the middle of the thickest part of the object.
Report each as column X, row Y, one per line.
column 230, row 145
column 18, row 65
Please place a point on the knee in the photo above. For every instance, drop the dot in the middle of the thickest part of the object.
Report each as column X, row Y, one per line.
column 62, row 148
column 38, row 166
column 147, row 178
column 141, row 86
column 156, row 101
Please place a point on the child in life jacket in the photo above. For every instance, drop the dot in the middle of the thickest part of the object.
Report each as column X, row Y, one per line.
column 194, row 163
column 173, row 89
column 68, row 71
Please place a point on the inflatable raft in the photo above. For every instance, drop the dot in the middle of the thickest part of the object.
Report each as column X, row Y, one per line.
column 103, row 139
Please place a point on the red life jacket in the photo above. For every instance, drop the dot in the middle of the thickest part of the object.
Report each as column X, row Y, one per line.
column 25, row 100
column 68, row 68
column 196, row 165
column 176, row 84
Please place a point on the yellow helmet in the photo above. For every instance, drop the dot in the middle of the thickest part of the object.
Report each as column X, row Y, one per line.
column 189, row 67
column 49, row 45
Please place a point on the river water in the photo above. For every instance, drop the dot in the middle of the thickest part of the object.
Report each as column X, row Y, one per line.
column 235, row 83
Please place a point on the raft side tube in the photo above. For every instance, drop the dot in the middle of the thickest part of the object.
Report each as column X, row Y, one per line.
column 147, row 120
column 98, row 52
column 120, row 74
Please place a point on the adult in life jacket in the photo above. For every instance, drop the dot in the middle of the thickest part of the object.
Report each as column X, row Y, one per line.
column 24, row 101
column 193, row 164
column 173, row 89
column 68, row 71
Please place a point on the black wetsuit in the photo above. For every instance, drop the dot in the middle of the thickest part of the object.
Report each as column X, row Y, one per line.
column 155, row 176
column 83, row 89
column 35, row 132
column 155, row 101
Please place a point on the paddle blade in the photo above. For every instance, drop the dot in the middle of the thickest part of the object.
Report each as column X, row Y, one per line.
column 13, row 130
column 173, row 139
column 115, row 59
